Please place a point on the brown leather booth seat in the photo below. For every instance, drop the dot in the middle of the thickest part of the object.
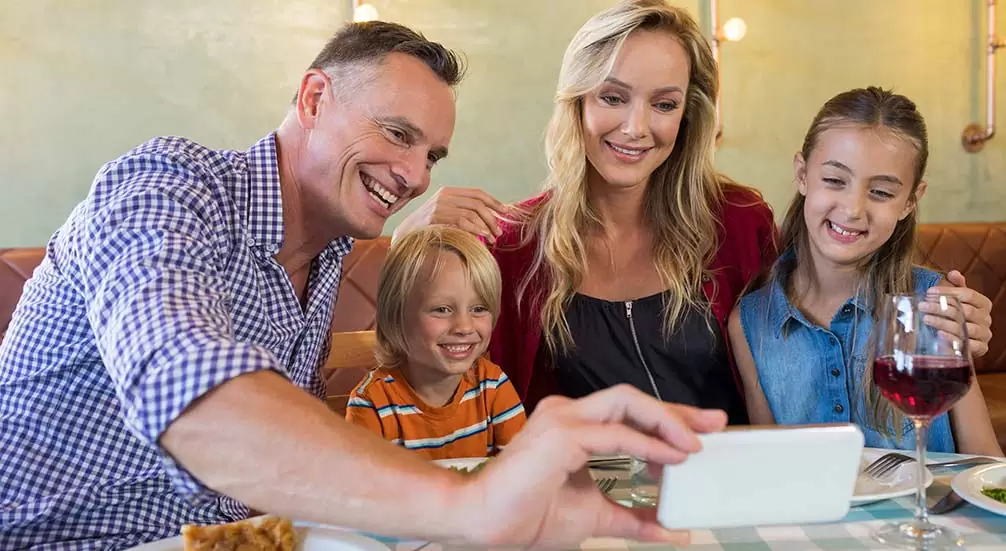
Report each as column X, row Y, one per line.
column 16, row 266
column 356, row 309
column 976, row 249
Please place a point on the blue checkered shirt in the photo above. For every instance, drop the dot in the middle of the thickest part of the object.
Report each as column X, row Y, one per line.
column 160, row 286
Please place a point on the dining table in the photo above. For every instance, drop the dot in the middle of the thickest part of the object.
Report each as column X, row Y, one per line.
column 982, row 530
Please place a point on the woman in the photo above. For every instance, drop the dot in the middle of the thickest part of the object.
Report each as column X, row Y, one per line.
column 625, row 269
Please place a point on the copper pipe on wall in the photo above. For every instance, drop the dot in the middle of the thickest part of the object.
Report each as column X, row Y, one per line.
column 975, row 135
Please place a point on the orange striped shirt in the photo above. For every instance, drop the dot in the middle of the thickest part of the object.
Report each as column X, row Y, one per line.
column 482, row 417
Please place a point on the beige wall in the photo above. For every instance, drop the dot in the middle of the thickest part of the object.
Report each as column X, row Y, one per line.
column 81, row 81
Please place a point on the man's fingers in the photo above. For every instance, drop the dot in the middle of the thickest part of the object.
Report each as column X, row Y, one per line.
column 639, row 524
column 617, row 439
column 472, row 207
column 489, row 200
column 979, row 332
column 954, row 327
column 957, row 278
column 968, row 311
column 947, row 325
column 965, row 296
column 624, row 404
column 474, row 226
column 978, row 348
column 701, row 420
column 948, row 319
column 698, row 420
column 473, row 196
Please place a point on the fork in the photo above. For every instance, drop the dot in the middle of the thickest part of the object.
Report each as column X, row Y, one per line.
column 886, row 463
column 606, row 484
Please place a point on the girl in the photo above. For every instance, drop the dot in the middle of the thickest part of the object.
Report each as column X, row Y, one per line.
column 437, row 301
column 801, row 341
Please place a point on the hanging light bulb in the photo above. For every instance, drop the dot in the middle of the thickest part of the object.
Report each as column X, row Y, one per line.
column 365, row 12
column 734, row 29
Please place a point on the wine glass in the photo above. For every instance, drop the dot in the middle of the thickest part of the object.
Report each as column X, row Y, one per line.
column 923, row 372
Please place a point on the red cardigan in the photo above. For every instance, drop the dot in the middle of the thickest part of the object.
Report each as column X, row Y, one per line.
column 747, row 240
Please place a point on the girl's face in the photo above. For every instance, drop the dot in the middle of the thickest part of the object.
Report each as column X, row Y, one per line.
column 447, row 325
column 858, row 185
column 631, row 121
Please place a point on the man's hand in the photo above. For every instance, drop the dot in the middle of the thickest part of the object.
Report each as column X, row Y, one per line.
column 469, row 209
column 538, row 492
column 977, row 312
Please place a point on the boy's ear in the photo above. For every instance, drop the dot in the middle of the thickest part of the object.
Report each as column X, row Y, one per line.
column 913, row 202
column 800, row 173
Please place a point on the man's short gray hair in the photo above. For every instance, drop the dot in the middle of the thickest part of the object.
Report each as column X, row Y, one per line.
column 358, row 45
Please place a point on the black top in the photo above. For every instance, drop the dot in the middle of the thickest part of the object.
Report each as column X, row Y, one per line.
column 691, row 368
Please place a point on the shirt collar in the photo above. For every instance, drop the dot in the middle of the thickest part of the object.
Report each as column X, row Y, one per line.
column 781, row 310
column 265, row 209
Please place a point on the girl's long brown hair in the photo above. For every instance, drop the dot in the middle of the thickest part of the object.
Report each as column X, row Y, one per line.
column 889, row 269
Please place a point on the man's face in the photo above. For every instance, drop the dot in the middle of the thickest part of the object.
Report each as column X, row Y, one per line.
column 370, row 146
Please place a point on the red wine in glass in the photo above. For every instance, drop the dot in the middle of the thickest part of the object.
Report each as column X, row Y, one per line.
column 923, row 372
column 922, row 386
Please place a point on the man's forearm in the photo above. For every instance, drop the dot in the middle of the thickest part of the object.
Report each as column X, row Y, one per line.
column 275, row 448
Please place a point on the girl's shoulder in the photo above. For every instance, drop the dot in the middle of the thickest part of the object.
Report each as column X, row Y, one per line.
column 764, row 305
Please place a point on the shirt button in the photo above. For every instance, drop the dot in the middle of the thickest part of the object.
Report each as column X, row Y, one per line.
column 832, row 340
column 839, row 408
column 847, row 309
column 836, row 372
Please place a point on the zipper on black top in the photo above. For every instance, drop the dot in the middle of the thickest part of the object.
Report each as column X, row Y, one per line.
column 639, row 351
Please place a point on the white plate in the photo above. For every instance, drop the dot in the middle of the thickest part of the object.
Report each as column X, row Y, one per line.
column 903, row 482
column 464, row 463
column 969, row 484
column 309, row 538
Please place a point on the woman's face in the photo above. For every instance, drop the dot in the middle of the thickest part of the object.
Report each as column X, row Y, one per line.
column 631, row 121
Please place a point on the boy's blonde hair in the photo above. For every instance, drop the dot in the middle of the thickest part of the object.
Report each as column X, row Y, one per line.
column 400, row 281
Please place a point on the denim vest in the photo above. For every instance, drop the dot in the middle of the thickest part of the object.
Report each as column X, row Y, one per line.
column 804, row 369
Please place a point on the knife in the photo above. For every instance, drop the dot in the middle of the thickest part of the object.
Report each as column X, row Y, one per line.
column 946, row 504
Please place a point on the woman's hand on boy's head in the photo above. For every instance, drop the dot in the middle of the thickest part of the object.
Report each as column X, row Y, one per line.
column 536, row 492
column 977, row 312
column 469, row 209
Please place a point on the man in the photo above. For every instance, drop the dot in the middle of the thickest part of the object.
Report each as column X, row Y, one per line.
column 161, row 367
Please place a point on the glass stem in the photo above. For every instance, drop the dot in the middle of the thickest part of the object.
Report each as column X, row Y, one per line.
column 921, row 439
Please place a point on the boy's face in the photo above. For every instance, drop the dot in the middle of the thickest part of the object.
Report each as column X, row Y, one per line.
column 447, row 325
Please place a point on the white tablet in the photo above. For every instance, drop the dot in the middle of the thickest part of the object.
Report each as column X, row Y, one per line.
column 762, row 476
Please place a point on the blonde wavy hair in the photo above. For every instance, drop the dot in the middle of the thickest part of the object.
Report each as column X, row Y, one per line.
column 403, row 278
column 889, row 269
column 684, row 192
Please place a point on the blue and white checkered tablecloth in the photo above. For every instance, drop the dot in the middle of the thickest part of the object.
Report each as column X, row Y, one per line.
column 982, row 530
